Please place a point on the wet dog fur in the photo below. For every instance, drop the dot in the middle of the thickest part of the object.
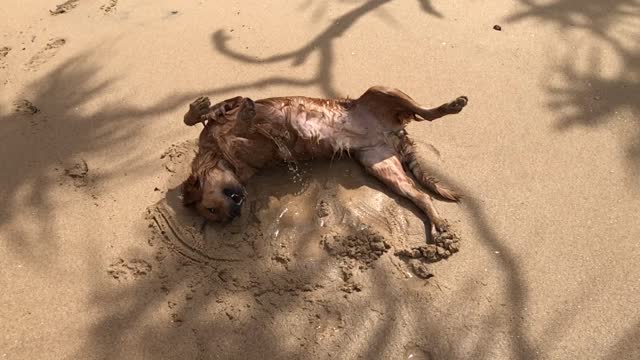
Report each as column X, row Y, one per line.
column 242, row 136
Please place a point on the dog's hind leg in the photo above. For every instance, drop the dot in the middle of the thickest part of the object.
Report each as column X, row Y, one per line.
column 449, row 108
column 395, row 100
column 410, row 160
column 384, row 164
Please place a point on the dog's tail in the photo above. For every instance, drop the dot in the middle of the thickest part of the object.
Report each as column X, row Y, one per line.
column 410, row 160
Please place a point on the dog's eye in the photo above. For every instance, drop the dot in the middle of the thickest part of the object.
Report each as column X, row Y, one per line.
column 211, row 210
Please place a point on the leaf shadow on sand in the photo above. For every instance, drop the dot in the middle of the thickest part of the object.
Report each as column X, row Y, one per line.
column 322, row 46
column 598, row 96
column 129, row 314
column 37, row 147
column 594, row 87
column 237, row 309
column 198, row 328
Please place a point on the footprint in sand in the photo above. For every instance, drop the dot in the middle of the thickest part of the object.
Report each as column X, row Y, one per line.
column 129, row 269
column 4, row 51
column 25, row 107
column 109, row 7
column 64, row 7
column 45, row 54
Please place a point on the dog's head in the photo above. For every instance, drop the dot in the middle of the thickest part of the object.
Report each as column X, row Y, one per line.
column 214, row 190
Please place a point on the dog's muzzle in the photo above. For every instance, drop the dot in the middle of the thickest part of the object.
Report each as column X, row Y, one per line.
column 237, row 198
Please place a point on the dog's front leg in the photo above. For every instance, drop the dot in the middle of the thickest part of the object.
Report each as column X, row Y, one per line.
column 198, row 111
column 201, row 111
column 384, row 164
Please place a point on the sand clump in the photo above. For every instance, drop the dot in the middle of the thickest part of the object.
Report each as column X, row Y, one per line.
column 445, row 245
column 365, row 246
column 418, row 257
column 357, row 251
column 79, row 172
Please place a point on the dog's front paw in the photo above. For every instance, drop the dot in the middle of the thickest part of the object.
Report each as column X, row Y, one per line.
column 456, row 105
column 198, row 111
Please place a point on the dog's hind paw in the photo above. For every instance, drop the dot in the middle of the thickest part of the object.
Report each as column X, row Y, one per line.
column 198, row 111
column 456, row 105
column 443, row 236
column 448, row 240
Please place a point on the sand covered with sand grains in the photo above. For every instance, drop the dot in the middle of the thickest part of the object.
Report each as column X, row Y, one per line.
column 101, row 261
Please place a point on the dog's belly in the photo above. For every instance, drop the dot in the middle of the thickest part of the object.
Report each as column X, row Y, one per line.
column 324, row 132
column 304, row 128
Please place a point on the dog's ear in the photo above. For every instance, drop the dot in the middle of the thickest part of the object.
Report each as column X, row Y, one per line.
column 191, row 191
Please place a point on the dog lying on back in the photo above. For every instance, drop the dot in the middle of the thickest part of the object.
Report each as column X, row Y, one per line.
column 242, row 136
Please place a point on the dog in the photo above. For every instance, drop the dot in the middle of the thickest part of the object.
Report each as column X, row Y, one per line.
column 242, row 136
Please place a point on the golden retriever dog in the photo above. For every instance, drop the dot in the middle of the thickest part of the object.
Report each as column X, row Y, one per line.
column 242, row 136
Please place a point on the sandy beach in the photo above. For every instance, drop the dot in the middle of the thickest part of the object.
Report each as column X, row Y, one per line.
column 101, row 261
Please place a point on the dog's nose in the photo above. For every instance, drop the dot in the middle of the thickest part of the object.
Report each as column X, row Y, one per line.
column 235, row 195
column 238, row 199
